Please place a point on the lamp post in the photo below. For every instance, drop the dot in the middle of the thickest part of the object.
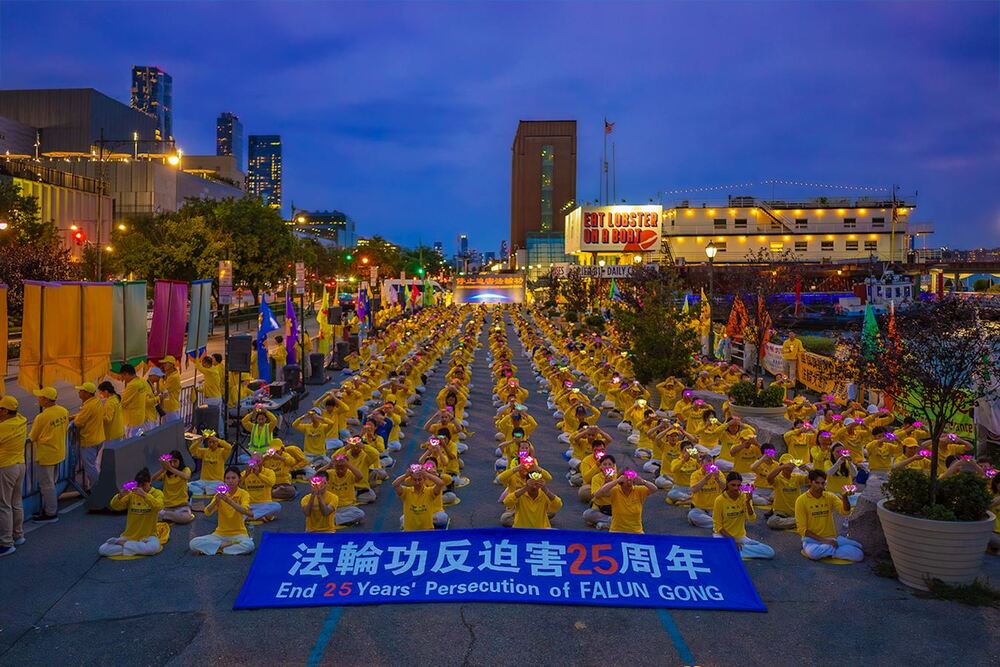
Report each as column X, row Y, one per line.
column 711, row 251
column 600, row 286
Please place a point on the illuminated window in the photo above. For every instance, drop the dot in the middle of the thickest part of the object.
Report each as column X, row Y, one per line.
column 801, row 223
column 851, row 246
column 741, row 223
column 720, row 246
column 850, row 223
column 871, row 246
column 826, row 246
column 878, row 222
column 802, row 246
column 777, row 246
column 548, row 162
column 720, row 224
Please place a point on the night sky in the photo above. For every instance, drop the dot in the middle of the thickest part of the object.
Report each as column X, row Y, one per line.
column 403, row 115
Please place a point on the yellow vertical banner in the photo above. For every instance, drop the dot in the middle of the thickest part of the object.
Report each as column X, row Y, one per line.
column 66, row 333
column 4, row 341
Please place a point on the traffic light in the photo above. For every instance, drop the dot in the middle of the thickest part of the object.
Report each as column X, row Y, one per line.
column 348, row 257
column 79, row 237
column 420, row 271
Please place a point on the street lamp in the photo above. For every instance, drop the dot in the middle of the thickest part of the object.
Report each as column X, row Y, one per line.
column 711, row 250
column 637, row 259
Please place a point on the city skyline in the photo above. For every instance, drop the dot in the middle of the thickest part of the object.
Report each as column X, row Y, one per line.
column 859, row 104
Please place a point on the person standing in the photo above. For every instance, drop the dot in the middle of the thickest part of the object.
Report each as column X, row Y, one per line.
column 170, row 390
column 48, row 435
column 114, row 429
column 89, row 425
column 13, row 433
column 135, row 397
column 211, row 387
column 791, row 349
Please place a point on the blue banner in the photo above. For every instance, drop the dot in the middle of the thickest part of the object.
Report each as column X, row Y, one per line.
column 498, row 565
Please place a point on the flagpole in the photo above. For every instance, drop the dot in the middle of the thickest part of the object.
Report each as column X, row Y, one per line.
column 614, row 175
column 605, row 160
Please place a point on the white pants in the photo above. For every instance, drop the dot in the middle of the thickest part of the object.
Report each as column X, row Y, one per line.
column 440, row 520
column 846, row 549
column 146, row 547
column 678, row 494
column 752, row 548
column 261, row 510
column 780, row 521
column 231, row 546
column 348, row 515
column 700, row 518
column 203, row 487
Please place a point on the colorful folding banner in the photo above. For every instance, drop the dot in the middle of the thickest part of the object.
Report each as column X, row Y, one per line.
column 128, row 324
column 199, row 318
column 65, row 333
column 566, row 567
column 3, row 336
column 166, row 334
column 291, row 329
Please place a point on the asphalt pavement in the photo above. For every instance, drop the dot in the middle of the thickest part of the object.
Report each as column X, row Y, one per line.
column 63, row 603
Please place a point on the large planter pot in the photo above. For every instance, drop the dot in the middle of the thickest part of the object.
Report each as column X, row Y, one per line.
column 747, row 411
column 922, row 549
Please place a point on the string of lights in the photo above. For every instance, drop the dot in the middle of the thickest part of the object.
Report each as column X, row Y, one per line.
column 731, row 186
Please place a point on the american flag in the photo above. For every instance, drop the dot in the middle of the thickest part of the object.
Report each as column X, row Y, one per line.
column 608, row 127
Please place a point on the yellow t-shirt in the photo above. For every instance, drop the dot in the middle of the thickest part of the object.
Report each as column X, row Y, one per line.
column 732, row 515
column 315, row 435
column 134, row 398
column 418, row 507
column 816, row 514
column 342, row 487
column 281, row 467
column 532, row 512
column 213, row 461
column 315, row 521
column 171, row 384
column 626, row 510
column 13, row 433
column 142, row 513
column 705, row 498
column 743, row 459
column 211, row 387
column 231, row 522
column 89, row 422
column 175, row 490
column 114, row 429
column 258, row 486
column 48, row 433
column 786, row 491
column 681, row 470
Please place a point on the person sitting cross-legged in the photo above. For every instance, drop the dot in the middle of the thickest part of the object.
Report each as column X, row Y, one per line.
column 732, row 510
column 814, row 512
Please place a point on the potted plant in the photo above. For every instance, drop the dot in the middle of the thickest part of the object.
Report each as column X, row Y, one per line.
column 745, row 400
column 942, row 540
column 937, row 360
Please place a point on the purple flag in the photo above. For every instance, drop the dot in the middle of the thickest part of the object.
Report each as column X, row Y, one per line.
column 166, row 333
column 291, row 328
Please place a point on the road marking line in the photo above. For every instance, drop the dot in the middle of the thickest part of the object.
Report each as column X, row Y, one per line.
column 676, row 637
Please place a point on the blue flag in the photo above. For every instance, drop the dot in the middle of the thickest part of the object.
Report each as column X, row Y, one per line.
column 291, row 328
column 265, row 325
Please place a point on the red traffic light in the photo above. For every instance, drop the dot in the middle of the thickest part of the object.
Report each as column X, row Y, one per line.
column 79, row 237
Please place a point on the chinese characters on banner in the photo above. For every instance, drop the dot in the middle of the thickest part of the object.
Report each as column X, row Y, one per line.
column 500, row 288
column 498, row 565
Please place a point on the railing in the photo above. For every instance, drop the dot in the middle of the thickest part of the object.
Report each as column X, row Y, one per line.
column 71, row 469
column 26, row 169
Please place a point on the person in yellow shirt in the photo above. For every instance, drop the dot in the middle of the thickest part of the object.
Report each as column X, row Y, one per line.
column 681, row 469
column 114, row 428
column 418, row 488
column 48, row 435
column 233, row 505
column 13, row 433
column 599, row 473
column 320, row 507
column 732, row 510
column 814, row 512
column 366, row 459
column 913, row 457
column 143, row 502
column 342, row 476
column 258, row 482
column 175, row 476
column 260, row 424
column 211, row 387
column 533, row 504
column 135, row 399
column 791, row 350
column 278, row 354
column 786, row 483
column 89, row 425
column 282, row 459
column 170, row 389
column 213, row 453
column 627, row 492
column 315, row 430
column 706, row 484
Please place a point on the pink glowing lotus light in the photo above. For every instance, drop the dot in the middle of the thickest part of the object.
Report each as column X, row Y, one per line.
column 130, row 486
column 925, row 453
column 849, row 488
column 416, row 467
column 630, row 474
column 711, row 468
column 769, row 452
column 746, row 488
column 166, row 458
column 844, row 452
column 434, row 441
column 222, row 488
column 317, row 480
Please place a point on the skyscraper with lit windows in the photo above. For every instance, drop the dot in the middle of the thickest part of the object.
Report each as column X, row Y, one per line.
column 229, row 137
column 264, row 168
column 153, row 94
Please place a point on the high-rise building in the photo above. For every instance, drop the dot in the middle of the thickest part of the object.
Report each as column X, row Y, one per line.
column 264, row 168
column 439, row 248
column 462, row 244
column 543, row 177
column 153, row 93
column 229, row 137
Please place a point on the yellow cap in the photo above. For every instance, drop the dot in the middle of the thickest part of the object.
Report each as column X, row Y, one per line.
column 169, row 359
column 46, row 392
column 910, row 442
column 88, row 387
column 8, row 403
column 785, row 458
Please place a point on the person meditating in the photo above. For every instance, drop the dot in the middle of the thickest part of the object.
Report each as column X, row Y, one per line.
column 814, row 512
column 143, row 502
column 233, row 505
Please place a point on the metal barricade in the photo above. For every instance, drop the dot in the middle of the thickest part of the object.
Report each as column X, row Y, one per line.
column 70, row 470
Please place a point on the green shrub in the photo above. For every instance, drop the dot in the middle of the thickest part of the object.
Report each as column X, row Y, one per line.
column 962, row 497
column 746, row 394
column 819, row 345
column 572, row 316
column 595, row 322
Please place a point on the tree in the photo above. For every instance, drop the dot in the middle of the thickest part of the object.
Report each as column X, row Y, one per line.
column 941, row 360
column 650, row 323
column 577, row 290
column 24, row 225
